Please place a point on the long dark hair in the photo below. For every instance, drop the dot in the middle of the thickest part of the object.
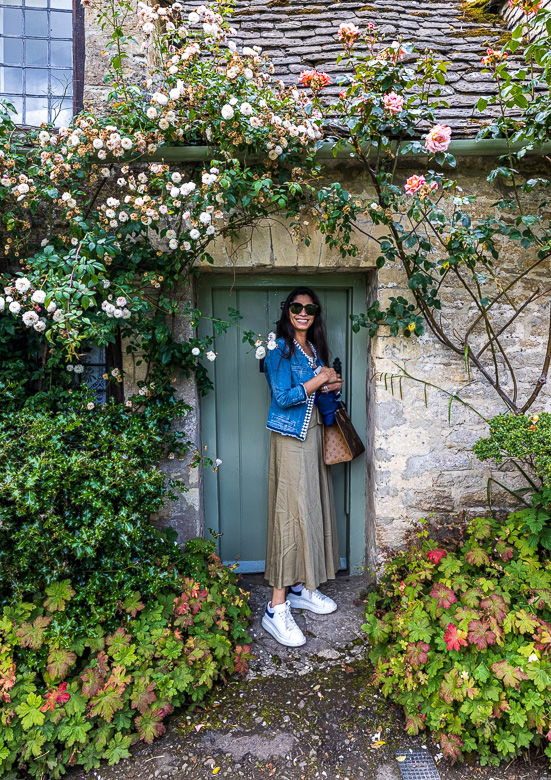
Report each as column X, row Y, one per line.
column 316, row 335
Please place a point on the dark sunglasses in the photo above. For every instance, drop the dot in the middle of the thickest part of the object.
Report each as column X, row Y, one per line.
column 310, row 308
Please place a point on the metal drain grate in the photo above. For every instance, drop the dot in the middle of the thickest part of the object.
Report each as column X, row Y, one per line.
column 417, row 765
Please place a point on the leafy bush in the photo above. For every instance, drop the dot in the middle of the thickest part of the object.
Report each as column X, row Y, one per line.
column 461, row 638
column 525, row 441
column 66, row 702
column 78, row 485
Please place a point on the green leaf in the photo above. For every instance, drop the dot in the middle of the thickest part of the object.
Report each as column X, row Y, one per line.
column 59, row 593
column 29, row 712
column 32, row 635
column 117, row 749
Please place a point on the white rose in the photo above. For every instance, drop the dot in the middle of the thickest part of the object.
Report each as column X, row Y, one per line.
column 97, row 143
column 195, row 351
column 40, row 326
column 194, row 234
column 117, row 314
column 271, row 336
column 248, row 73
column 126, row 143
column 176, row 177
column 2, row 304
column 271, row 344
column 246, row 109
column 126, row 314
column 58, row 315
column 193, row 18
column 248, row 52
column 227, row 111
column 22, row 284
column 121, row 301
column 51, row 307
column 174, row 94
column 211, row 356
column 151, row 112
column 38, row 296
column 205, row 217
column 173, row 244
column 78, row 369
column 260, row 353
column 29, row 318
column 15, row 307
column 218, row 462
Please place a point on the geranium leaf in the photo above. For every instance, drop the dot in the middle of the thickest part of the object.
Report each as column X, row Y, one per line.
column 106, row 702
column 150, row 726
column 32, row 634
column 143, row 695
column 471, row 597
column 451, row 745
column 29, row 712
column 477, row 556
column 59, row 662
column 132, row 603
column 480, row 634
column 495, row 606
column 510, row 675
column 524, row 622
column 118, row 748
column 415, row 723
column 454, row 638
column 451, row 687
column 417, row 654
column 58, row 594
column 446, row 596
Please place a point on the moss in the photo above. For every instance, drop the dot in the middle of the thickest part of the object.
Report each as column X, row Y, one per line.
column 317, row 9
column 369, row 8
column 422, row 14
column 478, row 11
column 277, row 3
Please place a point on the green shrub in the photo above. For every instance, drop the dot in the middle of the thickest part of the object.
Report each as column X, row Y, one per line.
column 524, row 441
column 66, row 702
column 461, row 638
column 77, row 488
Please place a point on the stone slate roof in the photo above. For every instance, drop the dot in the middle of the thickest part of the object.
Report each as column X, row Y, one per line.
column 301, row 34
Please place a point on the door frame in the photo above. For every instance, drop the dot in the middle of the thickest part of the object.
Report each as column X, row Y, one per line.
column 358, row 284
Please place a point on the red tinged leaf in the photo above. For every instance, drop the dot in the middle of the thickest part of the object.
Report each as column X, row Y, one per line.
column 471, row 597
column 93, row 680
column 415, row 723
column 478, row 557
column 436, row 555
column 142, row 695
column 480, row 634
column 511, row 675
column 417, row 654
column 59, row 662
column 504, row 551
column 32, row 634
column 446, row 596
column 106, row 702
column 451, row 746
column 501, row 706
column 451, row 688
column 150, row 725
column 454, row 638
column 57, row 696
column 495, row 606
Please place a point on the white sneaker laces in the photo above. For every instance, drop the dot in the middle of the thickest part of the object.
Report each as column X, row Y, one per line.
column 288, row 619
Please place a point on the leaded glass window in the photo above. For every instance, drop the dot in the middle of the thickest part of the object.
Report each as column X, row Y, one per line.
column 95, row 366
column 36, row 59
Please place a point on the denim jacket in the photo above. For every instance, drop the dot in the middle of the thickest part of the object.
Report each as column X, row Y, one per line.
column 286, row 376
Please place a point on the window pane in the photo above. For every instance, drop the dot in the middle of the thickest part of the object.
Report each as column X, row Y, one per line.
column 62, row 83
column 67, row 4
column 17, row 103
column 36, row 52
column 12, row 22
column 13, row 51
column 62, row 54
column 36, row 3
column 37, row 111
column 61, row 24
column 37, row 81
column 10, row 2
column 62, row 112
column 11, row 80
column 36, row 23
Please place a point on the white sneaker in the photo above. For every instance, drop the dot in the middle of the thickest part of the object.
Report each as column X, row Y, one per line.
column 312, row 600
column 279, row 622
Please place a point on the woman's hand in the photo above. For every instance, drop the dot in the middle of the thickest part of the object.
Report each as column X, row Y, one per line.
column 326, row 376
column 333, row 387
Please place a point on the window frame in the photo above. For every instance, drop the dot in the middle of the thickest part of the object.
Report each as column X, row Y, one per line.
column 78, row 62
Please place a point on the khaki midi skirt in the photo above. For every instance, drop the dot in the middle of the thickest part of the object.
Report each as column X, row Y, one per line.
column 302, row 543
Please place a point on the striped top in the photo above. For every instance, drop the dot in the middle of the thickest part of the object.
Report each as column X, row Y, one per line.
column 312, row 361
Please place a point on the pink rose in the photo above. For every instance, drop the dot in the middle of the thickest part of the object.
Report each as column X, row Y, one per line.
column 393, row 102
column 414, row 184
column 438, row 138
column 348, row 33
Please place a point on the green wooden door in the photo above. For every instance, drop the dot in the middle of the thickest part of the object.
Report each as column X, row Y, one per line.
column 233, row 416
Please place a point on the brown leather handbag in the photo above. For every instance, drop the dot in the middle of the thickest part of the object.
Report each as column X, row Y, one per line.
column 341, row 443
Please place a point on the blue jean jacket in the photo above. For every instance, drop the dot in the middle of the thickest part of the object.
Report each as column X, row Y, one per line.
column 286, row 376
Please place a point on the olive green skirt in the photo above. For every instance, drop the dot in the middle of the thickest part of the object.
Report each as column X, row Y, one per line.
column 302, row 543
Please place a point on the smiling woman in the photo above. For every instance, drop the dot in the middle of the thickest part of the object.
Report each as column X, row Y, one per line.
column 302, row 546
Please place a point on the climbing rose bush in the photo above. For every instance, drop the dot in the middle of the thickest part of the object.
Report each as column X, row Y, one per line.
column 461, row 639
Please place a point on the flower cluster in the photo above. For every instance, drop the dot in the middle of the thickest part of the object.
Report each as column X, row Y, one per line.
column 494, row 58
column 22, row 300
column 262, row 345
column 527, row 6
column 418, row 185
column 314, row 79
column 348, row 34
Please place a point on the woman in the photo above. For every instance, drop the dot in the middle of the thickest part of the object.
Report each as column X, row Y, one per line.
column 302, row 546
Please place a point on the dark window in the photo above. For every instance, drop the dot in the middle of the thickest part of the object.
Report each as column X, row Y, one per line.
column 42, row 59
